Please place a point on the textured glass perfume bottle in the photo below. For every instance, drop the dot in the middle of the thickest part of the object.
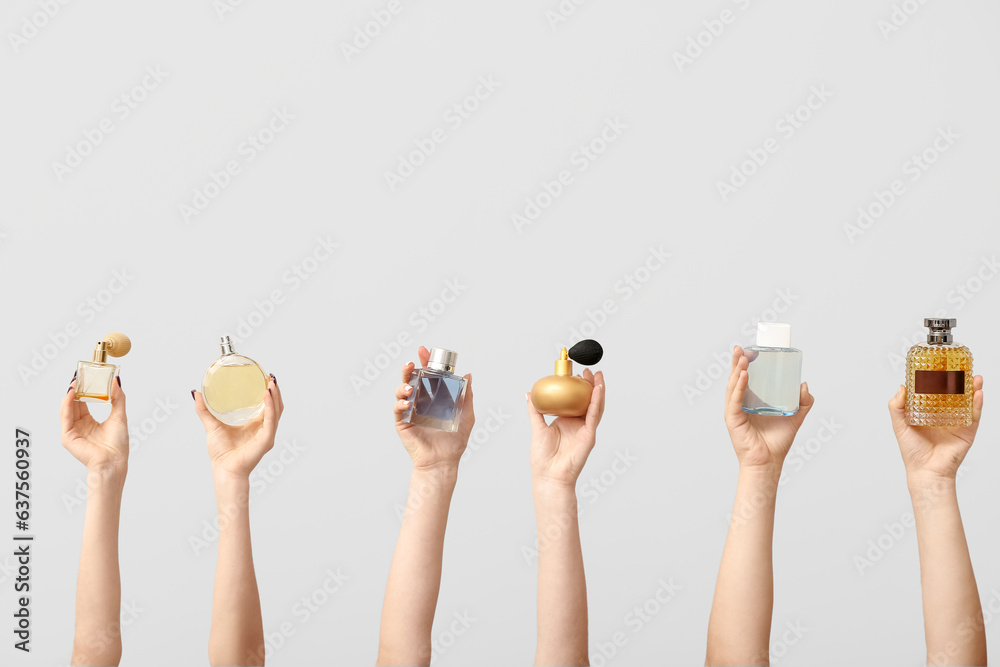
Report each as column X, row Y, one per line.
column 775, row 372
column 94, row 378
column 438, row 394
column 939, row 379
column 564, row 394
column 234, row 387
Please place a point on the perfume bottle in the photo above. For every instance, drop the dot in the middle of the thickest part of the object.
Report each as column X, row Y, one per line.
column 775, row 372
column 939, row 379
column 234, row 386
column 438, row 394
column 564, row 394
column 94, row 378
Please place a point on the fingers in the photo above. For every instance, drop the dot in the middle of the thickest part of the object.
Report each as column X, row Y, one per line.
column 468, row 410
column 271, row 417
column 977, row 398
column 403, row 392
column 276, row 393
column 423, row 355
column 398, row 408
column 118, row 402
column 588, row 376
column 737, row 353
column 207, row 418
column 596, row 408
column 534, row 416
column 407, row 371
column 897, row 406
column 806, row 399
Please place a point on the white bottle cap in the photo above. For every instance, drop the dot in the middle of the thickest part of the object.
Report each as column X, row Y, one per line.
column 774, row 334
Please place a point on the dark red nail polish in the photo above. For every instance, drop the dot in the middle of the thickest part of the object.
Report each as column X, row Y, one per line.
column 118, row 379
column 274, row 379
column 192, row 396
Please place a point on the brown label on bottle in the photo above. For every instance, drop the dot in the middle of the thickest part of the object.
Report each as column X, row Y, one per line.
column 939, row 382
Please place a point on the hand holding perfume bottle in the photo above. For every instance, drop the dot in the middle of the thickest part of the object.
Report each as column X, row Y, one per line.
column 434, row 413
column 238, row 449
column 234, row 386
column 559, row 450
column 760, row 439
column 939, row 379
column 98, row 445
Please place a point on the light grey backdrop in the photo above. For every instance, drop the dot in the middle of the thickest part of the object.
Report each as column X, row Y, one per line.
column 839, row 98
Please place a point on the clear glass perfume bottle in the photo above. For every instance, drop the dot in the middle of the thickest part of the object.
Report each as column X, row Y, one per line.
column 939, row 379
column 775, row 372
column 234, row 386
column 438, row 394
column 94, row 378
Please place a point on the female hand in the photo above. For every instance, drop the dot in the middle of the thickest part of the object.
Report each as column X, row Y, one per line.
column 934, row 451
column 428, row 447
column 99, row 446
column 759, row 440
column 559, row 450
column 238, row 449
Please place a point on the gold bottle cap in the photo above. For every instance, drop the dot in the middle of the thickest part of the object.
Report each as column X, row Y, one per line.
column 564, row 366
column 116, row 344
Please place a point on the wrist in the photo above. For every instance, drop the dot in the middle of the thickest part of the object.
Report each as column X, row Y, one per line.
column 107, row 473
column 768, row 473
column 229, row 482
column 548, row 489
column 920, row 481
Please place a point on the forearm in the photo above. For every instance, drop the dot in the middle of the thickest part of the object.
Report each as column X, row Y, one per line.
column 415, row 574
column 953, row 617
column 739, row 627
column 562, row 585
column 97, row 638
column 237, row 635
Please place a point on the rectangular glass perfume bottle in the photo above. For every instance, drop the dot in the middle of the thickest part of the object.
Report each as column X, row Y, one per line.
column 939, row 379
column 94, row 378
column 438, row 394
column 775, row 372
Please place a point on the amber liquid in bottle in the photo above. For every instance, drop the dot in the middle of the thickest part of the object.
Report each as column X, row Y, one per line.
column 939, row 380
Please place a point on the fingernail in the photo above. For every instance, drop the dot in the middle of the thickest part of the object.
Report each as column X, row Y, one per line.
column 269, row 391
column 192, row 396
column 70, row 389
column 527, row 396
column 274, row 380
column 118, row 379
column 74, row 375
column 408, row 389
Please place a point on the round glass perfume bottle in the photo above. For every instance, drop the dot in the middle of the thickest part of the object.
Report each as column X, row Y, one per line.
column 234, row 387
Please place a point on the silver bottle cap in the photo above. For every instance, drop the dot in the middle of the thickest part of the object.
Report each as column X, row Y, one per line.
column 226, row 345
column 940, row 330
column 442, row 360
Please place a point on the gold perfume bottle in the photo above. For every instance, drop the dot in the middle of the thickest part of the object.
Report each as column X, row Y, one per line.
column 94, row 378
column 564, row 394
column 234, row 387
column 939, row 379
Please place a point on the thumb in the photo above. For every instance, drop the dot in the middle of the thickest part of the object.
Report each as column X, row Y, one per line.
column 207, row 418
column 536, row 418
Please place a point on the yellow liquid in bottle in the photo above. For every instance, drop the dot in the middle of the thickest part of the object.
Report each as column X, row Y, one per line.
column 939, row 410
column 234, row 392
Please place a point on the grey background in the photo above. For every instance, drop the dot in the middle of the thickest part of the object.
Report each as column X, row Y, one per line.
column 854, row 306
